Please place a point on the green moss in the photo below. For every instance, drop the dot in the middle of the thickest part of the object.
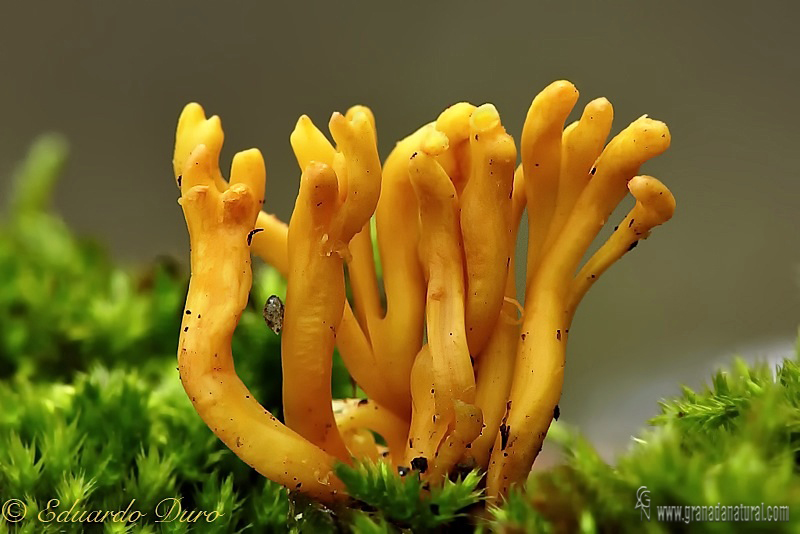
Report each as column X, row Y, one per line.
column 405, row 500
column 735, row 442
column 113, row 436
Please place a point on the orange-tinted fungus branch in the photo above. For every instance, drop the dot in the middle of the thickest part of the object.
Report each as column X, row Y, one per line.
column 315, row 298
column 219, row 223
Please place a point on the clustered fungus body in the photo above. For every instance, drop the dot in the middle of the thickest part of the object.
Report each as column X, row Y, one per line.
column 454, row 375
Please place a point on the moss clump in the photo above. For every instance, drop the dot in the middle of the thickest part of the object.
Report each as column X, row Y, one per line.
column 112, row 436
column 734, row 442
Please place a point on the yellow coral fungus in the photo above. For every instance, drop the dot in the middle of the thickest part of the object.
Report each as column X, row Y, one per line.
column 454, row 377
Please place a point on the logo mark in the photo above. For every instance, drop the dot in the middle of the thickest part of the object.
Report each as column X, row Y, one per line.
column 643, row 503
column 13, row 511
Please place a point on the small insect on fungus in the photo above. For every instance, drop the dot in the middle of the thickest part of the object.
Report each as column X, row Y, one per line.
column 273, row 313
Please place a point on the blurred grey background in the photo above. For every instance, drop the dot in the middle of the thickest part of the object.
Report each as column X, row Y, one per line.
column 720, row 278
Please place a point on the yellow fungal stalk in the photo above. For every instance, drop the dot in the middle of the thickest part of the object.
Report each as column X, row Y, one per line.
column 219, row 224
column 457, row 372
column 486, row 218
column 313, row 312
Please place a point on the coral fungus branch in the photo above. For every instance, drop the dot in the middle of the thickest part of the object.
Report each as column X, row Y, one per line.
column 313, row 312
column 539, row 373
column 399, row 334
column 359, row 414
column 485, row 218
column 270, row 242
column 356, row 134
column 219, row 223
column 655, row 205
column 441, row 251
column 540, row 148
column 495, row 367
column 364, row 281
column 581, row 144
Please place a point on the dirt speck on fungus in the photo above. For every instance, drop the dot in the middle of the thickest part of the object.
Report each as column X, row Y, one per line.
column 504, row 431
column 251, row 234
column 420, row 464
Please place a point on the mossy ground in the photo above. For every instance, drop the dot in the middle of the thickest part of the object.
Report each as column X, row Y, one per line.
column 92, row 411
